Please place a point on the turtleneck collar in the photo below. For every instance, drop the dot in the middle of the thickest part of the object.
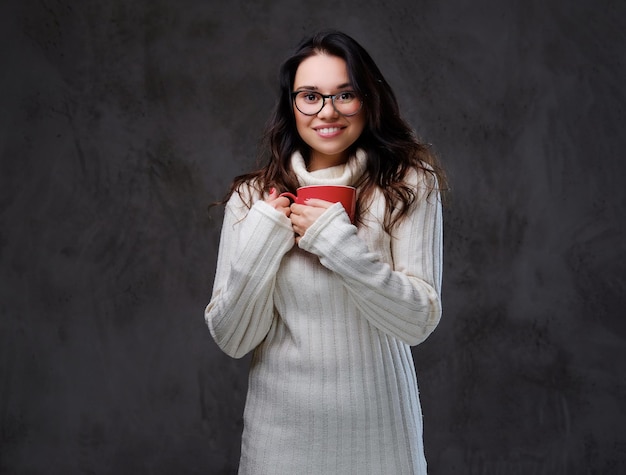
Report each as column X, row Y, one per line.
column 344, row 174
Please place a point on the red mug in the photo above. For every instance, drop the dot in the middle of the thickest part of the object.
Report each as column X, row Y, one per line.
column 346, row 195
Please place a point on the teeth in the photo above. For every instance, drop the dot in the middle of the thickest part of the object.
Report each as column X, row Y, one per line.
column 328, row 130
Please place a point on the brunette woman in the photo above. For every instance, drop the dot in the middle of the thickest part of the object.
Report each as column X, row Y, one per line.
column 331, row 307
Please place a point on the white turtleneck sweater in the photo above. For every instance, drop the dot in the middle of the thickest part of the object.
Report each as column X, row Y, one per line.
column 332, row 386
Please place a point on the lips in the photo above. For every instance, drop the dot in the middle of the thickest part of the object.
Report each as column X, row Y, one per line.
column 328, row 131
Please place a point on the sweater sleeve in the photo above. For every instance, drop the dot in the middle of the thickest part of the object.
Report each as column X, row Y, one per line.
column 252, row 245
column 402, row 299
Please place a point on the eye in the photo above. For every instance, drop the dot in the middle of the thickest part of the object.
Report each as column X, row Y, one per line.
column 309, row 97
column 346, row 96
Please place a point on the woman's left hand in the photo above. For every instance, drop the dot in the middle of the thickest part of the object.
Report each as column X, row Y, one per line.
column 303, row 216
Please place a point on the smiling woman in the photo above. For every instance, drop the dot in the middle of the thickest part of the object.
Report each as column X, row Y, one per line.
column 330, row 306
column 328, row 131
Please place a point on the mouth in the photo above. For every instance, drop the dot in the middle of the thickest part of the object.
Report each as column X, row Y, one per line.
column 329, row 131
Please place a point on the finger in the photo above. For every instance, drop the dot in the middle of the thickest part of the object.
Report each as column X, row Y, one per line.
column 299, row 209
column 296, row 219
column 316, row 202
column 271, row 197
column 282, row 201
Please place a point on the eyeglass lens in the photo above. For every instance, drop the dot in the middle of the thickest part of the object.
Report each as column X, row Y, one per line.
column 311, row 103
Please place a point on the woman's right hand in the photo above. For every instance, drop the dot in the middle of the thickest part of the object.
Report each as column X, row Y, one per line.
column 280, row 203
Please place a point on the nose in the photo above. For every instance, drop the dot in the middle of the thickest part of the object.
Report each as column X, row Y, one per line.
column 328, row 109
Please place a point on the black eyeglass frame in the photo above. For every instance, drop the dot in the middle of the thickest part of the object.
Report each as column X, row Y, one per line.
column 332, row 99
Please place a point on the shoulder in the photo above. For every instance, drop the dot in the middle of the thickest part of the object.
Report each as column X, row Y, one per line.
column 247, row 192
column 421, row 178
column 243, row 197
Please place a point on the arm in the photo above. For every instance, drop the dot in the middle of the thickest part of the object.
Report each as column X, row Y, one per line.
column 402, row 299
column 252, row 245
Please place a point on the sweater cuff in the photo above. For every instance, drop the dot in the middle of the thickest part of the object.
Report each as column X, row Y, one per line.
column 272, row 213
column 335, row 213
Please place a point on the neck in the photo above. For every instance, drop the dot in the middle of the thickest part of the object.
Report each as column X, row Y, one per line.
column 319, row 162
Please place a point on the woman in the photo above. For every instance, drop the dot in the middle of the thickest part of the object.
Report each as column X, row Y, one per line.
column 331, row 308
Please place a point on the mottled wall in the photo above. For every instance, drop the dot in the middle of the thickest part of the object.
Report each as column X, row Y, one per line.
column 121, row 121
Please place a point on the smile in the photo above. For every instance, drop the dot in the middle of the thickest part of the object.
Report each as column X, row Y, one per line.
column 329, row 131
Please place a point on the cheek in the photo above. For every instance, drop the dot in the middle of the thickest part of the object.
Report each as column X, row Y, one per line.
column 301, row 123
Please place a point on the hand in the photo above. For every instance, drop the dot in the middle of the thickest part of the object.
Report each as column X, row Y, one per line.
column 303, row 216
column 280, row 203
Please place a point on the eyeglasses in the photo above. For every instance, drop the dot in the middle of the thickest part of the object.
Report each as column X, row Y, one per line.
column 311, row 103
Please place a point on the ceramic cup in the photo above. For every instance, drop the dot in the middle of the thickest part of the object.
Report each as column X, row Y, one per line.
column 346, row 195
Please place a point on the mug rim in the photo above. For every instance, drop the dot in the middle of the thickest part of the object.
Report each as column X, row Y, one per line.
column 327, row 186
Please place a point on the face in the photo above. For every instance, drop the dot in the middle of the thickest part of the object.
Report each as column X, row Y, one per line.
column 328, row 133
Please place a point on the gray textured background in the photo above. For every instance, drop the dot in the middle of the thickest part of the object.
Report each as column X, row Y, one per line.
column 121, row 121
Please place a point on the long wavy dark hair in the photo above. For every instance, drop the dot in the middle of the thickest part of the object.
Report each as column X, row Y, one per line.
column 391, row 145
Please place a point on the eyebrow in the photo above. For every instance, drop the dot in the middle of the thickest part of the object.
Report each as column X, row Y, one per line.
column 315, row 88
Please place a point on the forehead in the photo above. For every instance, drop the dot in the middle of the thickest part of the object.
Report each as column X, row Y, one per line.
column 322, row 72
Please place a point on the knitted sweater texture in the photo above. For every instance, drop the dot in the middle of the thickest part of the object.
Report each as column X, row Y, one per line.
column 332, row 385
